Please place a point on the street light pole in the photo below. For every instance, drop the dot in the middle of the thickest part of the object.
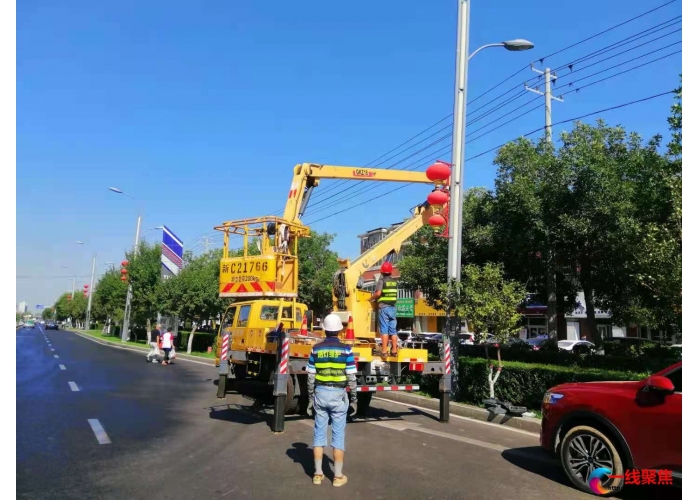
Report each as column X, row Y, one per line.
column 450, row 340
column 89, row 304
column 129, row 291
column 450, row 344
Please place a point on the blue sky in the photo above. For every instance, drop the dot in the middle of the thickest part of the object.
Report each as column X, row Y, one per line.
column 201, row 109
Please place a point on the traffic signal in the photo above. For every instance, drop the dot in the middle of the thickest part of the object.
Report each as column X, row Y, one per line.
column 124, row 271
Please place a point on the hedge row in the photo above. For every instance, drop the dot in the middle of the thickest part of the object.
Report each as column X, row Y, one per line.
column 651, row 360
column 520, row 383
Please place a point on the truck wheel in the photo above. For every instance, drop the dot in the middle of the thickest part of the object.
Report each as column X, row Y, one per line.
column 363, row 400
column 292, row 404
column 239, row 371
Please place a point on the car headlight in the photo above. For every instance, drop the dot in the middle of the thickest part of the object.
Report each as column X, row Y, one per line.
column 551, row 398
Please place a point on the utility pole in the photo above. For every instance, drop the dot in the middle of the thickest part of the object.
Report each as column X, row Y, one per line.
column 92, row 282
column 551, row 256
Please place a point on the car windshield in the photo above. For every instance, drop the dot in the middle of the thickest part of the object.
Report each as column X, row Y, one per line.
column 566, row 343
column 536, row 341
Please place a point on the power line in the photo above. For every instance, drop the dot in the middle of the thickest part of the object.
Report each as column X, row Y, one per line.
column 625, row 41
column 571, row 120
column 511, row 99
column 528, row 111
column 538, row 129
column 607, row 30
column 619, row 73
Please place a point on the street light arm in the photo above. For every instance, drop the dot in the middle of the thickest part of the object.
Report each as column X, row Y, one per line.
column 486, row 47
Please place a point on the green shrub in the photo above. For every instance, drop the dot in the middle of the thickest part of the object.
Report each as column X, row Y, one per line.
column 650, row 359
column 520, row 383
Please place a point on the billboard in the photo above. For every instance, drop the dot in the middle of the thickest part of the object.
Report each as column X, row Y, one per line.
column 405, row 308
column 171, row 254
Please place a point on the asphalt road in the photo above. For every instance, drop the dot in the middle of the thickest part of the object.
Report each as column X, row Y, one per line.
column 160, row 432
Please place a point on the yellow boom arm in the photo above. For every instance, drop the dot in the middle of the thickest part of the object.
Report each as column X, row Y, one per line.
column 348, row 298
column 307, row 176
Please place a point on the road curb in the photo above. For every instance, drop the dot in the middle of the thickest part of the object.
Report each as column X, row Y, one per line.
column 134, row 348
column 463, row 410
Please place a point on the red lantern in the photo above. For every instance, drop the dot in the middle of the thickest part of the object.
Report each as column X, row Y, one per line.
column 86, row 286
column 125, row 263
column 123, row 278
column 436, row 221
column 124, row 271
column 438, row 197
column 438, row 172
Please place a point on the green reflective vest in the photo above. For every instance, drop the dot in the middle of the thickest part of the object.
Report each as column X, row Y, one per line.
column 390, row 291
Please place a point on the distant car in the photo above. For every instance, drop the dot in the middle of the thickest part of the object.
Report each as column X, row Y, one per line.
column 52, row 325
column 577, row 346
column 615, row 426
column 29, row 324
column 517, row 343
column 542, row 343
column 466, row 338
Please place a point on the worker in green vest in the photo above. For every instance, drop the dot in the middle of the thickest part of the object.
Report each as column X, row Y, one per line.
column 385, row 294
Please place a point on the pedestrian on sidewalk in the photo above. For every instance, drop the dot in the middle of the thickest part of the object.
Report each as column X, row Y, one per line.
column 331, row 369
column 152, row 355
column 167, row 344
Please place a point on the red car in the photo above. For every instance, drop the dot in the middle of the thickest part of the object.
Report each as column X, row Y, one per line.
column 618, row 426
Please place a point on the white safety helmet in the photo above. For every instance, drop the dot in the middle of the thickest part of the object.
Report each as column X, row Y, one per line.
column 332, row 324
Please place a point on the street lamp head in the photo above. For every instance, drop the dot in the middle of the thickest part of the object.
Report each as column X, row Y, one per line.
column 79, row 242
column 517, row 45
column 116, row 190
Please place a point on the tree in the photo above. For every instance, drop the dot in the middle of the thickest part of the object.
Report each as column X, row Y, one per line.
column 74, row 308
column 109, row 296
column 194, row 293
column 653, row 295
column 48, row 313
column 62, row 307
column 317, row 265
column 490, row 303
column 145, row 279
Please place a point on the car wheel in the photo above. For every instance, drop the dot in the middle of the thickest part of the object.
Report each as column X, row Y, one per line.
column 585, row 449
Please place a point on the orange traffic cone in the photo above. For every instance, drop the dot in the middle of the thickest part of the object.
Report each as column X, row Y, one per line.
column 304, row 328
column 350, row 330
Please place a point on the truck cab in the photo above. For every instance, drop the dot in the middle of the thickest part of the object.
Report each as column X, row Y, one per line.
column 248, row 324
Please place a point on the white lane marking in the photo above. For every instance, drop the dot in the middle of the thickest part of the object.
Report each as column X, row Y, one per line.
column 62, row 367
column 141, row 351
column 53, row 350
column 73, row 386
column 55, row 356
column 498, row 426
column 99, row 431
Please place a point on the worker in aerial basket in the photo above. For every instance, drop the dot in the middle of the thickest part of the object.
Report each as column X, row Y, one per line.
column 331, row 369
column 385, row 294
